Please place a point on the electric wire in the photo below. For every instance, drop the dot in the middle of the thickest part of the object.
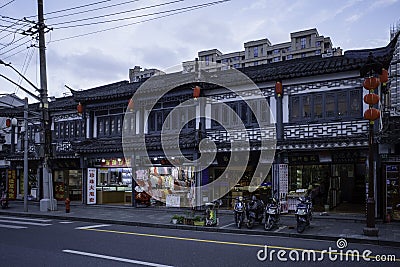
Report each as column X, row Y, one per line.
column 14, row 42
column 11, row 49
column 25, row 66
column 129, row 24
column 144, row 15
column 91, row 10
column 23, row 21
column 16, row 53
column 15, row 31
column 119, row 13
column 8, row 27
column 72, row 8
column 7, row 4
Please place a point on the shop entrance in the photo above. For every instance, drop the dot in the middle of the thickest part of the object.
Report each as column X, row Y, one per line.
column 68, row 183
column 339, row 187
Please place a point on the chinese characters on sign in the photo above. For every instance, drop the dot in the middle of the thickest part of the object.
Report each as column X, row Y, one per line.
column 12, row 184
column 91, row 186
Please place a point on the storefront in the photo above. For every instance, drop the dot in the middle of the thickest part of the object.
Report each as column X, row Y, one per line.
column 68, row 183
column 172, row 186
column 67, row 179
column 113, row 183
column 331, row 178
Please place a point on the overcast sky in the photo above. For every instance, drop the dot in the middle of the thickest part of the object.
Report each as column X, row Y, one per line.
column 105, row 57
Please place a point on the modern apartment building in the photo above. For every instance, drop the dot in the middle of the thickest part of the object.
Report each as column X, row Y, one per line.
column 259, row 52
column 137, row 74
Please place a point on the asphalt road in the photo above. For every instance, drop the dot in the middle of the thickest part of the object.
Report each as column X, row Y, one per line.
column 45, row 242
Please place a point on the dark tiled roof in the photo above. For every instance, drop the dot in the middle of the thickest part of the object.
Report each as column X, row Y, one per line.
column 352, row 60
column 62, row 103
column 98, row 145
column 122, row 89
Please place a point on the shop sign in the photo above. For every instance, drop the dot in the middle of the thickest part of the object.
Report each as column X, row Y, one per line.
column 116, row 162
column 304, row 159
column 12, row 184
column 91, row 186
column 281, row 183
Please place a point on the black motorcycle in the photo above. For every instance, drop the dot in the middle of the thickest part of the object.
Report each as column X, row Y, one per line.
column 303, row 213
column 272, row 214
column 4, row 199
column 254, row 212
column 238, row 211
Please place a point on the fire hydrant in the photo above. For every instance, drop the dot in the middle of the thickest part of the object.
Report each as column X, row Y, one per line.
column 67, row 205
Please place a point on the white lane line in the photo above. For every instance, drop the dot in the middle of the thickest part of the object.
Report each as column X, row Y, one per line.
column 28, row 223
column 12, row 226
column 227, row 225
column 92, row 226
column 25, row 219
column 280, row 228
column 114, row 258
column 66, row 222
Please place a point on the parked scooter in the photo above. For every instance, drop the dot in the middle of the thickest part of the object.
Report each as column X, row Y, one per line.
column 239, row 210
column 254, row 212
column 212, row 212
column 4, row 199
column 272, row 213
column 303, row 213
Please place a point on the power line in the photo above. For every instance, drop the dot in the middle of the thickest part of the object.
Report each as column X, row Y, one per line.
column 118, row 13
column 7, row 4
column 25, row 66
column 94, row 9
column 16, row 53
column 14, row 48
column 145, row 15
column 129, row 24
column 72, row 8
column 13, row 42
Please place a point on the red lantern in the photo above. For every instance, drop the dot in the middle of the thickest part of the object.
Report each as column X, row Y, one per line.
column 384, row 77
column 371, row 83
column 79, row 108
column 372, row 114
column 130, row 104
column 371, row 99
column 8, row 122
column 196, row 92
column 278, row 88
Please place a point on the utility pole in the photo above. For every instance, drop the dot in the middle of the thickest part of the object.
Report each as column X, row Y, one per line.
column 47, row 203
column 26, row 168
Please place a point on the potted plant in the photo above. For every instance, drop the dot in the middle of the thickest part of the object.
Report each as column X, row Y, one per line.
column 177, row 219
column 198, row 221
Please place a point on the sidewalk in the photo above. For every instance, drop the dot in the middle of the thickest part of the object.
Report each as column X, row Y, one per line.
column 323, row 227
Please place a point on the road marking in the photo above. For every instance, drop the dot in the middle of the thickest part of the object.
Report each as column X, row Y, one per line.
column 25, row 219
column 91, row 226
column 114, row 258
column 280, row 228
column 28, row 223
column 227, row 225
column 224, row 242
column 12, row 226
column 66, row 222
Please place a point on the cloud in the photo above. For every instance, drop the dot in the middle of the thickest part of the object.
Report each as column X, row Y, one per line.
column 84, row 69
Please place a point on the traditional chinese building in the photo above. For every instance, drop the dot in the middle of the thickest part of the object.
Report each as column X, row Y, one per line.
column 315, row 116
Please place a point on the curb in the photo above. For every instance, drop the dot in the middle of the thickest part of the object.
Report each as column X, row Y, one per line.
column 207, row 229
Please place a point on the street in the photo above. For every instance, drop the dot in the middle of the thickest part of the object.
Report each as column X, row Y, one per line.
column 49, row 242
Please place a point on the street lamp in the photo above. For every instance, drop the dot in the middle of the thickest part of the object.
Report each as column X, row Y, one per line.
column 371, row 83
